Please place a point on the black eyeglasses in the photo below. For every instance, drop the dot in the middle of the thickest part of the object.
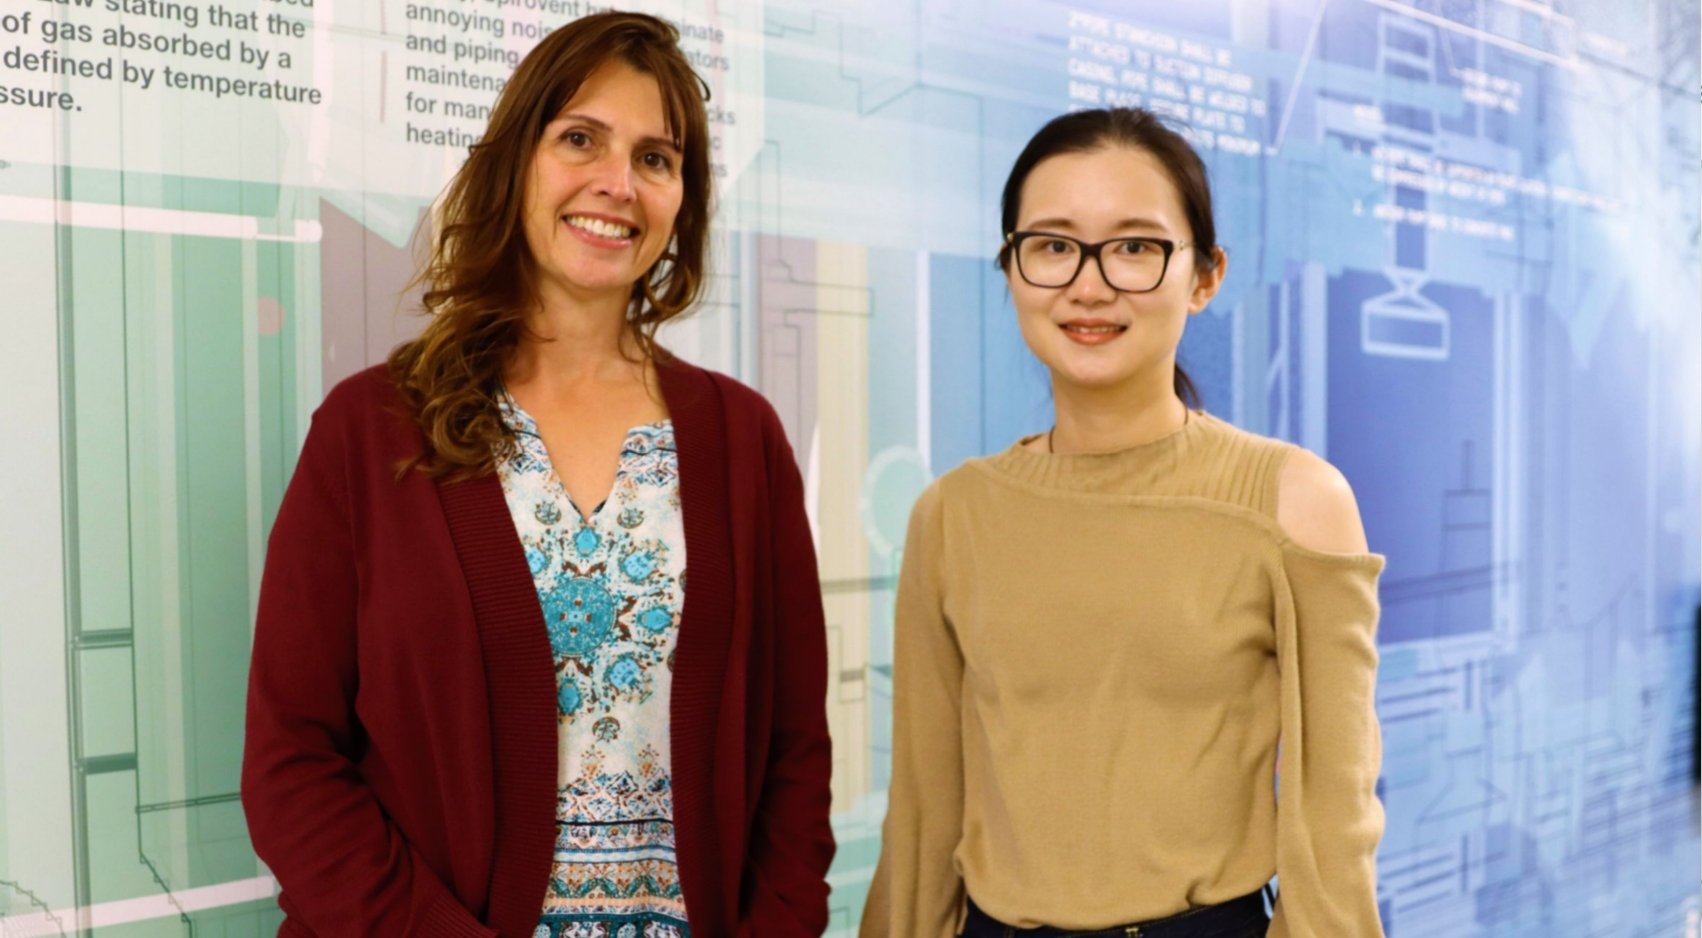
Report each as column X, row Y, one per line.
column 1129, row 265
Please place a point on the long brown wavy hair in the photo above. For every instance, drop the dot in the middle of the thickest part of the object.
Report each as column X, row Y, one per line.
column 480, row 276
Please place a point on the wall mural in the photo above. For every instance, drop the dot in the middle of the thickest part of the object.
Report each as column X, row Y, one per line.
column 1464, row 252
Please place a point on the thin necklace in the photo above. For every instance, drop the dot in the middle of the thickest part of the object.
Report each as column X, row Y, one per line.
column 1187, row 415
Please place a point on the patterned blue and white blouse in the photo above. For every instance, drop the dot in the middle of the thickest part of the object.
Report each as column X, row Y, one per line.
column 612, row 588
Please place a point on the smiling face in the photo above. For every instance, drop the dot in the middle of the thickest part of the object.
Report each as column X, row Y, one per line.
column 1087, row 333
column 603, row 190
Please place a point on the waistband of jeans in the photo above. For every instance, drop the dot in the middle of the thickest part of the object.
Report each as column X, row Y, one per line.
column 1223, row 915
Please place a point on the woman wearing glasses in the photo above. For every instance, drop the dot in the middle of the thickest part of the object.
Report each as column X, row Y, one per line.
column 1104, row 632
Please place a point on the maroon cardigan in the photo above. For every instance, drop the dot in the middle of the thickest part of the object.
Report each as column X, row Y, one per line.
column 399, row 770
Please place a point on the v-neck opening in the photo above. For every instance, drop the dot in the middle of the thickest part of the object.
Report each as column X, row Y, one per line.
column 528, row 426
column 590, row 520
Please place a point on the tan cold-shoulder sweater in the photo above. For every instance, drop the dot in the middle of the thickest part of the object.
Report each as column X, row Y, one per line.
column 1095, row 659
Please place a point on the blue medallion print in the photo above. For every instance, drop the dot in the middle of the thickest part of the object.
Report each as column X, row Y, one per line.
column 626, row 674
column 579, row 615
column 586, row 540
column 639, row 565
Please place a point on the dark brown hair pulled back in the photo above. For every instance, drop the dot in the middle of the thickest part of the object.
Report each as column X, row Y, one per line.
column 480, row 277
column 1139, row 129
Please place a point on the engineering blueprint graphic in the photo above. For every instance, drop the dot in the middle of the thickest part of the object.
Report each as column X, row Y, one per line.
column 1464, row 267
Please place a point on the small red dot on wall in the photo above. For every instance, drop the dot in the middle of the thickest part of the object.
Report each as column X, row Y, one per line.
column 271, row 315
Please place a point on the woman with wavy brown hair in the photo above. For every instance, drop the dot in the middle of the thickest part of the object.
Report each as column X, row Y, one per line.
column 483, row 699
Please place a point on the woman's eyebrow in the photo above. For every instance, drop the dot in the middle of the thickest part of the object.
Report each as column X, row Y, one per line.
column 583, row 119
column 1064, row 223
column 1127, row 224
column 1139, row 224
column 662, row 142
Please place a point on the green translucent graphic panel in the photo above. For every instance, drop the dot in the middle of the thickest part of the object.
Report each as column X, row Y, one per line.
column 180, row 360
column 212, row 507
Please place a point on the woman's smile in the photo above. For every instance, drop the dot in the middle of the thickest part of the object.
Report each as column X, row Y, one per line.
column 1086, row 331
column 601, row 230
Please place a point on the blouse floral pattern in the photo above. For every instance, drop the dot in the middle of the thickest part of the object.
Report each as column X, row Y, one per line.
column 612, row 587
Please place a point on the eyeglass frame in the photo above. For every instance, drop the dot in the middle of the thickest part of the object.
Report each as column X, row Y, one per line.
column 1014, row 241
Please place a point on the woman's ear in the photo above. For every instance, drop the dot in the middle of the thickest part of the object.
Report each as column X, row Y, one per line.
column 1207, row 284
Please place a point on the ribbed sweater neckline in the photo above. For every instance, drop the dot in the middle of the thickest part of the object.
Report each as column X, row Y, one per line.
column 1112, row 472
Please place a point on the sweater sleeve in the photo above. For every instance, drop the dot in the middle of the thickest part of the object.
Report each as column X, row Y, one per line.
column 792, row 844
column 1329, row 819
column 917, row 890
column 344, row 868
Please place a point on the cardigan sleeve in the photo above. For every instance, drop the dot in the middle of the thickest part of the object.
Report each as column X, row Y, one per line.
column 1329, row 818
column 344, row 868
column 791, row 840
column 918, row 891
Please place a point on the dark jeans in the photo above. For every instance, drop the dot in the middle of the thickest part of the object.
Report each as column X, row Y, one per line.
column 1238, row 918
